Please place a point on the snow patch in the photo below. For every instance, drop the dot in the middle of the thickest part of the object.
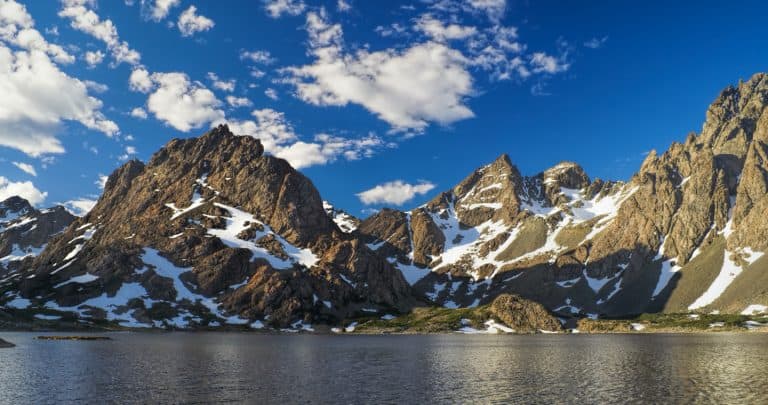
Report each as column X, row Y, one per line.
column 755, row 309
column 728, row 272
column 83, row 279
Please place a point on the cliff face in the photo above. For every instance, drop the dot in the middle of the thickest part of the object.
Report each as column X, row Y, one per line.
column 687, row 232
column 211, row 231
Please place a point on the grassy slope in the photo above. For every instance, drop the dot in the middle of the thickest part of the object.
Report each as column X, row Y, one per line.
column 695, row 277
column 750, row 287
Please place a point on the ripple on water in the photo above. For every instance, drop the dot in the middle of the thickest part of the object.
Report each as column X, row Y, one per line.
column 217, row 367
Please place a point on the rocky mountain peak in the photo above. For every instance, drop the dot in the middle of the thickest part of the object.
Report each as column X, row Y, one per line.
column 211, row 231
column 347, row 223
column 14, row 206
column 25, row 231
column 564, row 175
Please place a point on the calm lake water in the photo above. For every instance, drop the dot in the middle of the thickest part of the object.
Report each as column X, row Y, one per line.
column 251, row 368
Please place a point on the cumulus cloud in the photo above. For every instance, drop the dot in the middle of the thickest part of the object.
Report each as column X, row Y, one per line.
column 260, row 57
column 279, row 139
column 343, row 6
column 157, row 10
column 37, row 98
column 190, row 23
column 543, row 63
column 93, row 58
column 83, row 18
column 80, row 207
column 176, row 100
column 221, row 84
column 440, row 31
column 408, row 89
column 139, row 113
column 24, row 189
column 101, row 182
column 96, row 87
column 17, row 28
column 495, row 9
column 394, row 29
column 276, row 8
column 271, row 93
column 140, row 80
column 129, row 151
column 394, row 192
column 26, row 168
column 238, row 102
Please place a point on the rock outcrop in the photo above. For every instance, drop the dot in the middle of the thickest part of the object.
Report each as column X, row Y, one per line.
column 522, row 315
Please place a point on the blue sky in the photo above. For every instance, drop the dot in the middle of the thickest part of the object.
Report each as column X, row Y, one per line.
column 409, row 96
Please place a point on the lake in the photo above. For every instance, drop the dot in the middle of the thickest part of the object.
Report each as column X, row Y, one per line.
column 254, row 368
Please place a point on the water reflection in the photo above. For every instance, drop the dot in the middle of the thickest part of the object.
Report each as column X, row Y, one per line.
column 216, row 367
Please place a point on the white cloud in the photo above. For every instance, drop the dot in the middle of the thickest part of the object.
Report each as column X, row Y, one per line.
column 94, row 58
column 393, row 29
column 101, row 182
column 257, row 73
column 190, row 22
column 270, row 127
column 394, row 192
column 139, row 113
column 343, row 6
column 129, row 151
column 157, row 10
column 81, row 206
column 26, row 168
column 24, row 189
column 96, row 87
column 543, row 63
column 276, row 8
column 17, row 28
column 596, row 43
column 495, row 9
column 84, row 19
column 37, row 97
column 261, row 57
column 176, row 100
column 223, row 85
column 238, row 102
column 279, row 139
column 425, row 83
column 271, row 93
column 441, row 31
column 140, row 80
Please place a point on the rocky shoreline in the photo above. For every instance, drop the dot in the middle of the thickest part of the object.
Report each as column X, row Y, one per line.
column 488, row 319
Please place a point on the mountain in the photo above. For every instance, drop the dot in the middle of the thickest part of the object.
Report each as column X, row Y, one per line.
column 210, row 232
column 346, row 222
column 214, row 232
column 24, row 233
column 686, row 232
